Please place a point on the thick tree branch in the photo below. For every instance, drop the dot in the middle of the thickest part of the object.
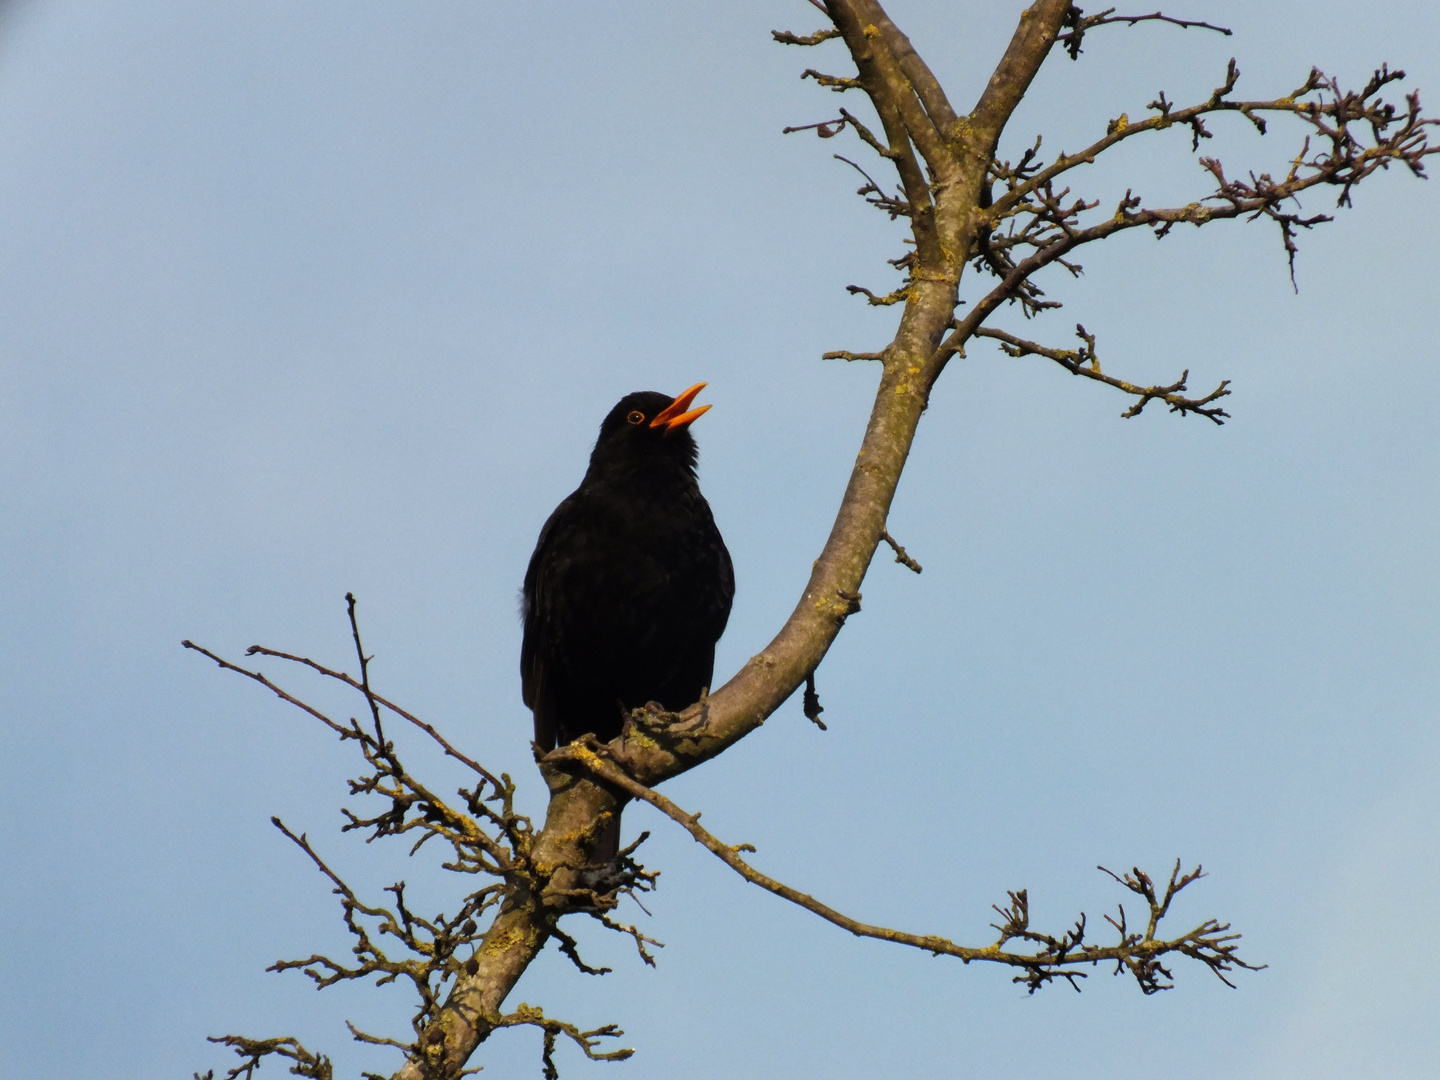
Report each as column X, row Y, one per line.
column 940, row 114
column 1039, row 27
column 894, row 101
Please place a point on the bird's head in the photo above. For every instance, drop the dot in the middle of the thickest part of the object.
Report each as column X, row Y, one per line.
column 647, row 424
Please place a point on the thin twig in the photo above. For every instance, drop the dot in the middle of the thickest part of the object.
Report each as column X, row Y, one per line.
column 348, row 680
column 901, row 555
column 1078, row 23
column 841, row 354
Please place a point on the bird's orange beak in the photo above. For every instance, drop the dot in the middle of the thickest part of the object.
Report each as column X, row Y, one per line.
column 674, row 416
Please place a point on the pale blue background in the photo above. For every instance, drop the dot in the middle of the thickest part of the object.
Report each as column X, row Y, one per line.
column 301, row 297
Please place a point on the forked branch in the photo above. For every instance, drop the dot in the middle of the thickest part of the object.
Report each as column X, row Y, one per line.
column 1352, row 135
column 440, row 956
column 587, row 1041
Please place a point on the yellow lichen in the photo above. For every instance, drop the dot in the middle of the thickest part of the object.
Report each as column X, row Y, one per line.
column 639, row 738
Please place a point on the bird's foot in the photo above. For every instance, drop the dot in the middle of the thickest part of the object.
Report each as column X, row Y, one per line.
column 620, row 873
column 650, row 717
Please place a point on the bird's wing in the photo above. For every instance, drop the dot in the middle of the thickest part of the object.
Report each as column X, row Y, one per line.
column 539, row 629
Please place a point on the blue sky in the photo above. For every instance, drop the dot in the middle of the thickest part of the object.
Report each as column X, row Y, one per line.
column 297, row 299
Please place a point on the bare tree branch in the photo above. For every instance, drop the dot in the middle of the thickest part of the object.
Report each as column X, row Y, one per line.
column 963, row 207
column 440, row 956
column 784, row 37
column 253, row 1051
column 1077, row 23
column 943, row 177
column 1038, row 218
column 1053, row 958
column 1035, row 35
column 1083, row 361
column 901, row 555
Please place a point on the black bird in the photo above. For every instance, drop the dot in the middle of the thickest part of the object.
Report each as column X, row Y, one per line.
column 630, row 584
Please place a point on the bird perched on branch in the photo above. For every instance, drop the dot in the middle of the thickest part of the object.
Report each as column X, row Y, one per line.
column 630, row 584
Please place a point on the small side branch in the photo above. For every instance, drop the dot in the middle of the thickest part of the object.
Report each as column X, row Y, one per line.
column 348, row 680
column 1053, row 957
column 435, row 947
column 1083, row 361
column 587, row 1041
column 254, row 1051
column 894, row 205
column 895, row 297
column 784, row 37
column 1077, row 23
column 842, row 354
column 389, row 778
column 571, row 948
column 901, row 555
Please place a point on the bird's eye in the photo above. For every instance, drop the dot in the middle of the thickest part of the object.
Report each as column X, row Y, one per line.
column 636, row 417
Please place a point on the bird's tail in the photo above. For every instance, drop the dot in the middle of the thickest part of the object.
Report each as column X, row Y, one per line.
column 608, row 844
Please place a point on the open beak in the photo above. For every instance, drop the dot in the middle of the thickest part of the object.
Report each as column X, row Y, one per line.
column 674, row 416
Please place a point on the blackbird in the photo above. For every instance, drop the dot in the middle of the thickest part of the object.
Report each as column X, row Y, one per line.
column 630, row 584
